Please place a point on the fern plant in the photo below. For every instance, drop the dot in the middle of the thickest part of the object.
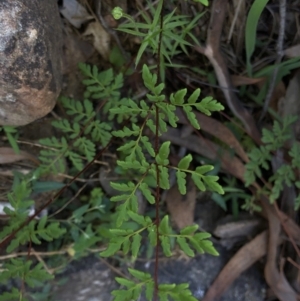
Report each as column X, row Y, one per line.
column 141, row 155
column 94, row 132
column 261, row 157
column 147, row 162
column 33, row 232
column 163, row 37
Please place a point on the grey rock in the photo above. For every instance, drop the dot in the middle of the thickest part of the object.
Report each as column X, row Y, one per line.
column 30, row 59
column 96, row 282
column 87, row 280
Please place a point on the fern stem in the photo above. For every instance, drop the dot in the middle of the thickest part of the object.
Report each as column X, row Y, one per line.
column 157, row 196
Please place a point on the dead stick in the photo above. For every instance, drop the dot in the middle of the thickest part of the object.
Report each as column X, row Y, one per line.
column 212, row 51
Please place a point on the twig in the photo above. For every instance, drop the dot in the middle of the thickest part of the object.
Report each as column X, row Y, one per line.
column 40, row 259
column 114, row 269
column 280, row 53
column 237, row 10
column 50, row 253
column 212, row 51
column 68, row 202
column 295, row 264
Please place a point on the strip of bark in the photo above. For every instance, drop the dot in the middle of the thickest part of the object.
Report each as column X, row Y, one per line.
column 212, row 52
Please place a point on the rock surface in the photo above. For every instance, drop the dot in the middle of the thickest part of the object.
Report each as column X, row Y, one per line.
column 93, row 281
column 30, row 59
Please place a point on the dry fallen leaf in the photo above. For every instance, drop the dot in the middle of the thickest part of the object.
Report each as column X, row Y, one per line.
column 239, row 80
column 275, row 279
column 293, row 51
column 239, row 263
column 101, row 38
column 182, row 207
column 8, row 155
column 245, row 225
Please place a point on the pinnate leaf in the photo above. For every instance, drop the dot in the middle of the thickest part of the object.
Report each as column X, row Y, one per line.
column 125, row 282
column 166, row 246
column 189, row 230
column 185, row 246
column 194, row 96
column 112, row 249
column 147, row 193
column 181, row 181
column 184, row 163
column 136, row 244
column 140, row 219
column 139, row 275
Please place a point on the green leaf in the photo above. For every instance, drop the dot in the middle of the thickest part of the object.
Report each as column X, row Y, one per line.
column 194, row 97
column 164, row 150
column 123, row 186
column 178, row 97
column 147, row 76
column 191, row 117
column 136, row 292
column 251, row 30
column 166, row 246
column 167, row 287
column 136, row 244
column 152, row 235
column 157, row 15
column 75, row 159
column 149, row 290
column 125, row 282
column 185, row 247
column 204, row 2
column 196, row 244
column 208, row 105
column 189, row 230
column 202, row 235
column 209, row 248
column 148, row 146
column 127, row 146
column 118, row 198
column 147, row 193
column 140, row 53
column 184, row 163
column 111, row 250
column 121, row 232
column 140, row 219
column 126, row 246
column 121, row 214
column 164, row 227
column 12, row 135
column 201, row 170
column 181, row 181
column 198, row 182
column 139, row 275
column 164, row 182
column 158, row 89
column 126, row 132
column 211, row 182
column 42, row 223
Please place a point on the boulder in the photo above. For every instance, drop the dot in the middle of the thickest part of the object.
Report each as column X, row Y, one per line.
column 30, row 59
